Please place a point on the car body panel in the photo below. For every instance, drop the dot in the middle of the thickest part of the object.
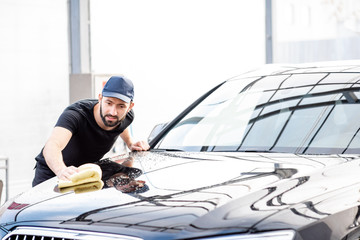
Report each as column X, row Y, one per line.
column 273, row 185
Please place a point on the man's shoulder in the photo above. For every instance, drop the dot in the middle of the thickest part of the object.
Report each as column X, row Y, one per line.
column 76, row 114
column 80, row 109
column 131, row 114
column 84, row 107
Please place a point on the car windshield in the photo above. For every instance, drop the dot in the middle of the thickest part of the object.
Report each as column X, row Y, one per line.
column 298, row 113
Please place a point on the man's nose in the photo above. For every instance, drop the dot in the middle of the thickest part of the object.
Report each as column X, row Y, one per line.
column 113, row 110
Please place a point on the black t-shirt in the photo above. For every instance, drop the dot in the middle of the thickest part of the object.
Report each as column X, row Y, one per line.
column 89, row 142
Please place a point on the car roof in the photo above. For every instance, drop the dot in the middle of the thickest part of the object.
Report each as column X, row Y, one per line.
column 348, row 66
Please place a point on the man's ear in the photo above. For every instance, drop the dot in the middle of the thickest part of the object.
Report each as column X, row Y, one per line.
column 100, row 97
column 131, row 106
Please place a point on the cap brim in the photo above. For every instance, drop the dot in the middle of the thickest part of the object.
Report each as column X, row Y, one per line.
column 117, row 95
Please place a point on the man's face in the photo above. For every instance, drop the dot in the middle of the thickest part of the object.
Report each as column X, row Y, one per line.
column 113, row 110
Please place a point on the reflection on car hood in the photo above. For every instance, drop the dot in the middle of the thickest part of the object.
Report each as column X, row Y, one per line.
column 235, row 190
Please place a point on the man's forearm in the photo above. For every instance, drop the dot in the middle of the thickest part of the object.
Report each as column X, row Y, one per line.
column 125, row 136
column 53, row 153
column 133, row 146
column 53, row 157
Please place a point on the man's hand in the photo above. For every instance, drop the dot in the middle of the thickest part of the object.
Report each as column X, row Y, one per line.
column 66, row 173
column 139, row 146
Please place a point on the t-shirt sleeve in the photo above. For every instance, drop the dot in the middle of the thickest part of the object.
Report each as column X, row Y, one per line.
column 69, row 119
column 129, row 119
column 131, row 115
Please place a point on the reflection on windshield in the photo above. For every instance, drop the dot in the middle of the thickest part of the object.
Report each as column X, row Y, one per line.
column 301, row 113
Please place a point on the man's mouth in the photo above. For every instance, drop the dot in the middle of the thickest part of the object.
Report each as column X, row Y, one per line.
column 111, row 118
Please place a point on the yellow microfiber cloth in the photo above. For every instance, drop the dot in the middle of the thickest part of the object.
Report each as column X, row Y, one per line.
column 85, row 187
column 88, row 173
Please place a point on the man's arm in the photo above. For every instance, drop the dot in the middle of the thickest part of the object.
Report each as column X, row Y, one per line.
column 137, row 146
column 58, row 140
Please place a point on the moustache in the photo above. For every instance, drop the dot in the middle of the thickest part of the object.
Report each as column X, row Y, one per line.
column 112, row 116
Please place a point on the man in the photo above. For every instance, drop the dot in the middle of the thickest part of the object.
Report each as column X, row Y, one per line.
column 87, row 130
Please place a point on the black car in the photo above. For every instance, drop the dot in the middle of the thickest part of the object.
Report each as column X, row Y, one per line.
column 271, row 154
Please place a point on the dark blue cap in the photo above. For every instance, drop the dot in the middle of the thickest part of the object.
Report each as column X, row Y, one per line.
column 119, row 87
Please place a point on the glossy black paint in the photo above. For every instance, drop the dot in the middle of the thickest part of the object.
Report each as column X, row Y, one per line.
column 209, row 194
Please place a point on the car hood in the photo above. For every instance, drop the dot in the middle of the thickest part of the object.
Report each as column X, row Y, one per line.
column 193, row 192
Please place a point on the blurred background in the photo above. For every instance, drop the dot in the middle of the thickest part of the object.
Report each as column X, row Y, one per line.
column 53, row 53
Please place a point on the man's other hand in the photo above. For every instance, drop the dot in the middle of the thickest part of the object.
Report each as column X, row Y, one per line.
column 139, row 146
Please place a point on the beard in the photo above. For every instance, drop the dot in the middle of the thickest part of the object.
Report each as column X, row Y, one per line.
column 107, row 123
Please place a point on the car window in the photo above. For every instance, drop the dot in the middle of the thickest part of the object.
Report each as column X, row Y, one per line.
column 306, row 113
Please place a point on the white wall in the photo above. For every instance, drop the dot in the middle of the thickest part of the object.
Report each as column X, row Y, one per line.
column 172, row 50
column 33, row 81
column 175, row 50
column 309, row 31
